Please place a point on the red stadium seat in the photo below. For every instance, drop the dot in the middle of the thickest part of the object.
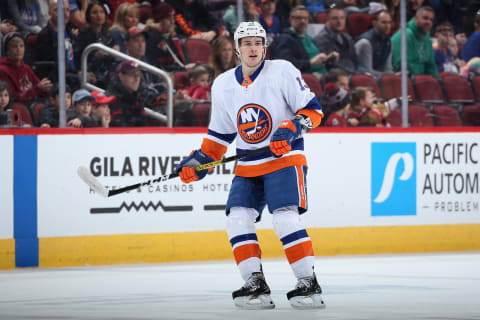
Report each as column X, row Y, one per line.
column 447, row 116
column 476, row 86
column 313, row 83
column 391, row 86
column 471, row 115
column 36, row 112
column 458, row 89
column 358, row 23
column 321, row 17
column 31, row 49
column 202, row 114
column 198, row 50
column 419, row 116
column 394, row 118
column 144, row 14
column 24, row 113
column 180, row 80
column 363, row 80
column 428, row 89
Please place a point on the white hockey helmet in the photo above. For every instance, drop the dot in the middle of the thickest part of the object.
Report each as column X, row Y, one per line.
column 249, row 29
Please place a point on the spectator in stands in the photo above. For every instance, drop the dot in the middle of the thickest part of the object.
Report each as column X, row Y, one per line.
column 24, row 84
column 128, row 109
column 471, row 49
column 443, row 55
column 101, row 109
column 78, row 12
column 96, row 30
column 393, row 7
column 348, row 5
column 200, row 80
column 369, row 111
column 453, row 47
column 230, row 19
column 315, row 6
column 374, row 47
column 82, row 101
column 47, row 46
column 50, row 113
column 126, row 17
column 27, row 15
column 194, row 20
column 337, row 76
column 222, row 57
column 336, row 103
column 296, row 46
column 269, row 20
column 448, row 11
column 420, row 56
column 5, row 27
column 164, row 49
column 332, row 38
column 283, row 9
column 412, row 7
column 5, row 97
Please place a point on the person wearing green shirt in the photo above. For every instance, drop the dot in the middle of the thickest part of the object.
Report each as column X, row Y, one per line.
column 420, row 55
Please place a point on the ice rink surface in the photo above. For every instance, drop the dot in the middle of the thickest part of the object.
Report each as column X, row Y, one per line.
column 423, row 286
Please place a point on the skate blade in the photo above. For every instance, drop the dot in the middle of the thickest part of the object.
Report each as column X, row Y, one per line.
column 263, row 301
column 314, row 301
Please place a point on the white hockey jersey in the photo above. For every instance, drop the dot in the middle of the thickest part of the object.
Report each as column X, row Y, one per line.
column 251, row 109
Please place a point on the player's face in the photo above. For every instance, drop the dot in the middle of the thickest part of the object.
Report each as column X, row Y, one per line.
column 251, row 51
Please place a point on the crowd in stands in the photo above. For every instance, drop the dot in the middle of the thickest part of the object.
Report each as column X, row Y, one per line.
column 349, row 52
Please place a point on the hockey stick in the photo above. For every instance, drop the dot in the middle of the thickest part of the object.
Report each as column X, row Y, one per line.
column 93, row 182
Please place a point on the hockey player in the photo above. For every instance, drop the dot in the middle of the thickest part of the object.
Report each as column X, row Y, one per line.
column 263, row 103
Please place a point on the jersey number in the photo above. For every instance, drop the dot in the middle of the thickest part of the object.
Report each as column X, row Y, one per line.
column 302, row 83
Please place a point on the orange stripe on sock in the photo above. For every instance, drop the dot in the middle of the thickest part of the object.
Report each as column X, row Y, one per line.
column 247, row 251
column 299, row 251
column 301, row 188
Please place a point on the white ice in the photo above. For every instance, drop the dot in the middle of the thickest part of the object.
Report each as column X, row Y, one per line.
column 416, row 286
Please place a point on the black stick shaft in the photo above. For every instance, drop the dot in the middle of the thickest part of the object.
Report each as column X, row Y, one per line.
column 198, row 168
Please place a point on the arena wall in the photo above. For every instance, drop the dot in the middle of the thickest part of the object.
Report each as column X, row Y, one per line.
column 370, row 191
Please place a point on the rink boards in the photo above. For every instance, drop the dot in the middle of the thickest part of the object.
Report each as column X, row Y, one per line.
column 369, row 191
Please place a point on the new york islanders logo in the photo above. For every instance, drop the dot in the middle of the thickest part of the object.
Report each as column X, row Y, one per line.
column 254, row 123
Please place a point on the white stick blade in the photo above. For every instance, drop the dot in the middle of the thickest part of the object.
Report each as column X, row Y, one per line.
column 91, row 181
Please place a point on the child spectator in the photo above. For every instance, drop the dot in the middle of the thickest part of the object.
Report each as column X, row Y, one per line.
column 269, row 20
column 369, row 112
column 222, row 57
column 49, row 114
column 337, row 76
column 5, row 100
column 230, row 18
column 126, row 17
column 443, row 55
column 24, row 84
column 336, row 102
column 101, row 109
column 199, row 78
column 82, row 104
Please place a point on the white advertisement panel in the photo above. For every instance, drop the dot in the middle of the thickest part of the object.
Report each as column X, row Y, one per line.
column 354, row 179
column 6, row 187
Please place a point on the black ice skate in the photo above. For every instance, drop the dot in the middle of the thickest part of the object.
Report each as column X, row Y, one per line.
column 255, row 294
column 307, row 294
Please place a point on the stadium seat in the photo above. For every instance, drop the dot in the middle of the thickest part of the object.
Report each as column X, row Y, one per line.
column 36, row 112
column 180, row 80
column 458, row 89
column 394, row 118
column 419, row 116
column 446, row 116
column 471, row 115
column 197, row 50
column 25, row 114
column 358, row 23
column 31, row 49
column 144, row 14
column 391, row 86
column 313, row 83
column 428, row 89
column 363, row 80
column 476, row 86
column 321, row 17
column 202, row 114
